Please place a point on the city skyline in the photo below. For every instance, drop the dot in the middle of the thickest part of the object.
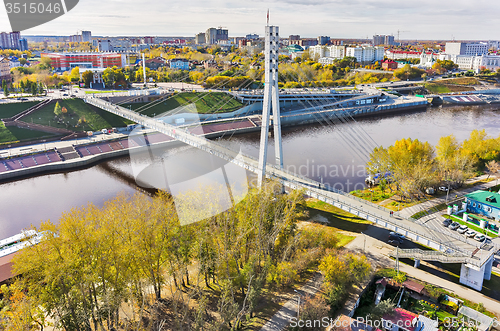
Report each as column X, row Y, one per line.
column 445, row 20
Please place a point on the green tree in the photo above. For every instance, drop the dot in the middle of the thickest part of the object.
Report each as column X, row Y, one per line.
column 75, row 74
column 108, row 76
column 87, row 77
column 5, row 88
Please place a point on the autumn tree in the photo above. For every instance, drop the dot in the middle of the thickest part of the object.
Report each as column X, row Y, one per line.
column 57, row 109
column 87, row 77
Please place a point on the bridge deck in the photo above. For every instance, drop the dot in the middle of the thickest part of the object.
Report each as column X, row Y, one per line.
column 437, row 239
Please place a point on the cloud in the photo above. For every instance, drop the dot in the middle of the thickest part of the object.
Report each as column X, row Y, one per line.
column 425, row 19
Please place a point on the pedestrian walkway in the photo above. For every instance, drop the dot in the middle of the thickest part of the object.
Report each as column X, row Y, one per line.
column 377, row 252
column 282, row 318
column 453, row 196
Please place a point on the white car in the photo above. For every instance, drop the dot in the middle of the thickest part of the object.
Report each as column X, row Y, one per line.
column 479, row 237
column 462, row 229
column 470, row 233
column 443, row 188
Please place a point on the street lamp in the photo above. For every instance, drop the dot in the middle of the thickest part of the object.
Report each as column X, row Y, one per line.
column 298, row 306
column 364, row 242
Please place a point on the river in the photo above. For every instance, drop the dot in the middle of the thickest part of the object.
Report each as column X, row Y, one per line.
column 334, row 153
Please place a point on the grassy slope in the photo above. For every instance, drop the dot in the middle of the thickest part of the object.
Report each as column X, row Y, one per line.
column 96, row 118
column 205, row 103
column 10, row 109
column 14, row 134
column 337, row 218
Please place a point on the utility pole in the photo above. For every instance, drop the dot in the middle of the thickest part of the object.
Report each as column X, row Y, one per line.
column 144, row 69
column 397, row 259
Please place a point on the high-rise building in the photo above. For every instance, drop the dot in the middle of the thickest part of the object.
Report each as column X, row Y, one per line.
column 23, row 44
column 323, row 40
column 252, row 36
column 213, row 35
column 378, row 40
column 383, row 40
column 200, row 38
column 76, row 38
column 10, row 40
column 14, row 39
column 4, row 40
column 389, row 40
column 86, row 36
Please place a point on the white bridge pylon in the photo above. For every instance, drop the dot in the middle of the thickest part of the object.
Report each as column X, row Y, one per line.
column 271, row 99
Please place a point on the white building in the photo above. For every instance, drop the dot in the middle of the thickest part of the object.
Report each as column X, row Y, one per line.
column 321, row 51
column 466, row 48
column 472, row 62
column 393, row 55
column 364, row 54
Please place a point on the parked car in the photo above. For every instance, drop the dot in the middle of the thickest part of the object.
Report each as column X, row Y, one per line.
column 470, row 233
column 443, row 188
column 480, row 237
column 454, row 225
column 447, row 222
column 462, row 229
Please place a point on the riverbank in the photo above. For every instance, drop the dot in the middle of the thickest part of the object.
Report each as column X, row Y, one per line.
column 30, row 161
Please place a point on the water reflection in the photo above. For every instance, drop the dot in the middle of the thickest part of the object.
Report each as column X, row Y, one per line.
column 321, row 152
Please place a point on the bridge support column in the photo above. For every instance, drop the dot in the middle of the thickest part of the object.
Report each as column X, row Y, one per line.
column 472, row 276
column 487, row 268
column 416, row 264
column 271, row 98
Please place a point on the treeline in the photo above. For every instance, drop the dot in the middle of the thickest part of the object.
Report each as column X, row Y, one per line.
column 415, row 165
column 131, row 265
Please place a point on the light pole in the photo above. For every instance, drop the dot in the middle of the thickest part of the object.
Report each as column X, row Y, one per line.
column 298, row 306
column 364, row 242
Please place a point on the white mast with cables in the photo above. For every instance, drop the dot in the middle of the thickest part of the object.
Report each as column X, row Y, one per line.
column 271, row 98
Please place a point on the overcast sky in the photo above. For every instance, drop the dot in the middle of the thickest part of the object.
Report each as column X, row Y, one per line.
column 423, row 19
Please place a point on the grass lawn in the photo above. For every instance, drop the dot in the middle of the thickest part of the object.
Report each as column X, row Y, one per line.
column 96, row 119
column 373, row 194
column 10, row 109
column 15, row 134
column 470, row 225
column 205, row 103
column 98, row 92
column 337, row 218
column 446, row 87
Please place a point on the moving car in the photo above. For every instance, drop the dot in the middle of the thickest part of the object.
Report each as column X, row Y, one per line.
column 447, row 222
column 395, row 234
column 470, row 233
column 454, row 225
column 462, row 229
column 395, row 239
column 480, row 237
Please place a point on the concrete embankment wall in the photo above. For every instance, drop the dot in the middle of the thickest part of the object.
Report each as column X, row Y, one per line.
column 289, row 120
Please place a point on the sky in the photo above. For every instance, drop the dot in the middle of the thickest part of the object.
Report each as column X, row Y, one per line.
column 422, row 19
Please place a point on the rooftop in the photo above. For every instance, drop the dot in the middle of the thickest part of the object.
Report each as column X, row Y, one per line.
column 485, row 197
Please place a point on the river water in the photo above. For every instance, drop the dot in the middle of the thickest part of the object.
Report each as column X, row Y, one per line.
column 334, row 153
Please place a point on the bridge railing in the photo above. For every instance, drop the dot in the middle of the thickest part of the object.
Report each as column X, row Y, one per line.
column 272, row 170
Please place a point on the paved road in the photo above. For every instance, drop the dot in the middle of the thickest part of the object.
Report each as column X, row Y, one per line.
column 434, row 219
column 377, row 251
